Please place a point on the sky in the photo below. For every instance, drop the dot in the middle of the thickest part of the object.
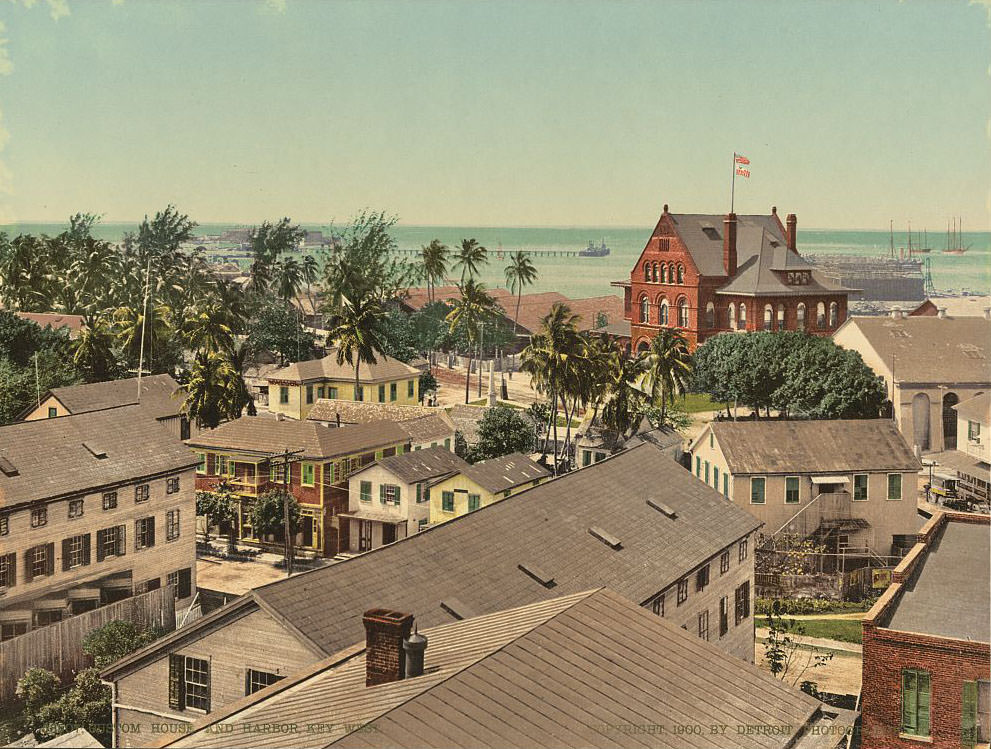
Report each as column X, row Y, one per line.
column 533, row 113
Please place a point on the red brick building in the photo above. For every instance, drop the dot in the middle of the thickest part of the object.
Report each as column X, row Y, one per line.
column 708, row 274
column 927, row 659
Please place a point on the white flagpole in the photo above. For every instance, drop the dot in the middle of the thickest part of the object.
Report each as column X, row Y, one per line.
column 732, row 192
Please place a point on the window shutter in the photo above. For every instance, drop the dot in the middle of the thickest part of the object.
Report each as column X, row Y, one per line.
column 50, row 559
column 86, row 549
column 419, row 492
column 909, row 702
column 923, row 696
column 185, row 582
column 100, row 538
column 66, row 546
column 399, row 492
column 382, row 493
column 177, row 696
column 151, row 531
column 28, row 555
column 968, row 715
column 121, row 540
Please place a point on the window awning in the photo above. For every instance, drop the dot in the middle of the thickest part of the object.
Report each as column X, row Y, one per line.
column 830, row 480
column 375, row 517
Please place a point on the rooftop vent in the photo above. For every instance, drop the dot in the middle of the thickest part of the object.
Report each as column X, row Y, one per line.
column 95, row 450
column 455, row 608
column 662, row 508
column 7, row 467
column 607, row 538
column 537, row 574
column 711, row 232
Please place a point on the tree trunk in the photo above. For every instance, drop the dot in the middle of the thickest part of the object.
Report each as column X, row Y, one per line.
column 468, row 376
column 519, row 298
column 554, row 416
column 357, row 381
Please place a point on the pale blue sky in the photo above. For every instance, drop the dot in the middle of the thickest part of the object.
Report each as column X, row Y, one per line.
column 497, row 113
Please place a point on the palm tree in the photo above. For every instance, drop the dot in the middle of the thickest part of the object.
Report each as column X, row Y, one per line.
column 310, row 271
column 206, row 390
column 208, row 328
column 434, row 256
column 669, row 366
column 469, row 258
column 519, row 273
column 623, row 402
column 288, row 278
column 468, row 313
column 357, row 333
column 94, row 351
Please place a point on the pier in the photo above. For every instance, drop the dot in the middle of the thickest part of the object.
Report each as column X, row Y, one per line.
column 502, row 253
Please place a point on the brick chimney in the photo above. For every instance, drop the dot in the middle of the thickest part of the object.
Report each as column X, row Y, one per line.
column 729, row 244
column 385, row 659
column 791, row 232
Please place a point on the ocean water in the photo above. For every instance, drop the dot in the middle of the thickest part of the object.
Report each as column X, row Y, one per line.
column 583, row 277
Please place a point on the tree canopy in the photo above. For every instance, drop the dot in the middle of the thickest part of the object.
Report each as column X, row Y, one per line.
column 502, row 430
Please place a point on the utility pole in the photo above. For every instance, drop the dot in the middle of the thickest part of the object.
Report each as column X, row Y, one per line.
column 286, row 478
column 144, row 319
column 481, row 349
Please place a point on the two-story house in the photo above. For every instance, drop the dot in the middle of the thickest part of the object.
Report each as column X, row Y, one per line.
column 706, row 274
column 390, row 499
column 968, row 468
column 293, row 390
column 472, row 487
column 636, row 522
column 94, row 508
column 427, row 426
column 160, row 396
column 257, row 453
column 851, row 485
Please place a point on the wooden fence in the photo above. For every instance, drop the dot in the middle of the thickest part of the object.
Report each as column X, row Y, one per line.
column 59, row 647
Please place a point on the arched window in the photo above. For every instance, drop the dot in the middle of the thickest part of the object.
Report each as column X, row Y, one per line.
column 800, row 315
column 683, row 313
column 768, row 317
column 646, row 271
column 820, row 315
column 644, row 346
column 664, row 273
column 834, row 314
column 653, row 271
column 644, row 310
column 743, row 315
column 781, row 317
column 671, row 276
column 681, row 274
column 710, row 315
column 731, row 316
column 662, row 313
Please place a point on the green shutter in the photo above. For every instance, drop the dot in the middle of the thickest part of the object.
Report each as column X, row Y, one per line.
column 382, row 493
column 419, row 492
column 968, row 714
column 909, row 702
column 399, row 493
column 923, row 695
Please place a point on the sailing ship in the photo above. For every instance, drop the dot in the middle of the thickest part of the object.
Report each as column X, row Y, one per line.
column 924, row 248
column 593, row 251
column 954, row 239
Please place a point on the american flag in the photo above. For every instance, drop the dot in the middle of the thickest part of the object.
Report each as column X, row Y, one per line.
column 741, row 159
column 743, row 172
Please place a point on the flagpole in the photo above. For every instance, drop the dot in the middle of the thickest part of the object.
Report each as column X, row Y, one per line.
column 732, row 192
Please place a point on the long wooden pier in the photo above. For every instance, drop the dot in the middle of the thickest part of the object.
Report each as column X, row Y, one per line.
column 503, row 253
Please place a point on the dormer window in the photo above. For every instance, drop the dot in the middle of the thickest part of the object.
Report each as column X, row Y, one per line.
column 711, row 232
column 799, row 278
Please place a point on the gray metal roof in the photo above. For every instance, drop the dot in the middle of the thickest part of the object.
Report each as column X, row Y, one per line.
column 420, row 465
column 976, row 409
column 586, row 669
column 359, row 412
column 506, row 472
column 819, row 446
column 58, row 457
column 950, row 595
column 706, row 248
column 157, row 393
column 384, row 368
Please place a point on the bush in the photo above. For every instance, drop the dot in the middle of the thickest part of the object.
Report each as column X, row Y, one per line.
column 803, row 606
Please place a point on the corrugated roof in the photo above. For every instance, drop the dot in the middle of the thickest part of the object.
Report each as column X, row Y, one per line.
column 384, row 368
column 420, row 465
column 266, row 435
column 50, row 457
column 950, row 594
column 498, row 474
column 581, row 670
column 156, row 395
column 359, row 412
column 822, row 446
column 930, row 349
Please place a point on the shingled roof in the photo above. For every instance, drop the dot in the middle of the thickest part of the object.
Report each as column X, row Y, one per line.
column 327, row 368
column 358, row 412
column 938, row 350
column 578, row 670
column 420, row 465
column 157, row 393
column 52, row 458
column 260, row 434
column 507, row 472
column 821, row 446
column 760, row 263
column 481, row 554
column 976, row 409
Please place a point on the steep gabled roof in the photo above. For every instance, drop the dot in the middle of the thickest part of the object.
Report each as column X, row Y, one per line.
column 261, row 434
column 560, row 672
column 976, row 409
column 821, row 446
column 499, row 474
column 702, row 234
column 359, row 412
column 432, row 427
column 75, row 454
column 420, row 465
column 157, row 393
column 327, row 368
column 481, row 553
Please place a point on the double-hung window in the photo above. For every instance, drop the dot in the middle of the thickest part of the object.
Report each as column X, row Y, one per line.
column 172, row 485
column 283, row 394
column 742, row 602
column 657, row 605
column 381, row 393
column 144, row 533
column 723, row 616
column 447, row 501
column 894, row 486
column 474, row 502
column 172, row 525
column 75, row 508
column 393, row 391
column 791, row 490
column 389, row 494
column 724, row 562
column 704, row 625
column 410, row 388
column 365, row 491
column 860, row 487
column 255, row 681
column 682, row 591
column 308, row 474
column 75, row 552
column 39, row 517
column 757, row 485
column 915, row 702
column 701, row 579
column 189, row 683
column 743, row 550
column 141, row 493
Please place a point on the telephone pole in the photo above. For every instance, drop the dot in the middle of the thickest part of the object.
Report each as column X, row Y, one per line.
column 288, row 457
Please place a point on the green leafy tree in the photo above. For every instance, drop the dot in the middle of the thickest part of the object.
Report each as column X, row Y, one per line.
column 277, row 327
column 362, row 262
column 267, row 513
column 428, row 384
column 215, row 391
column 786, row 657
column 520, row 272
column 469, row 258
column 467, row 315
column 434, row 259
column 116, row 639
column 20, row 385
column 94, row 354
column 669, row 367
column 357, row 333
column 624, row 403
column 502, row 430
column 221, row 507
column 399, row 338
column 36, row 689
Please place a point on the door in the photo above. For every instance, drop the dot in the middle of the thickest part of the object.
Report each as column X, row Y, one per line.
column 365, row 535
column 388, row 533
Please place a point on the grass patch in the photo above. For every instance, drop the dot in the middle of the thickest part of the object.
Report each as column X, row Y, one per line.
column 695, row 402
column 844, row 630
